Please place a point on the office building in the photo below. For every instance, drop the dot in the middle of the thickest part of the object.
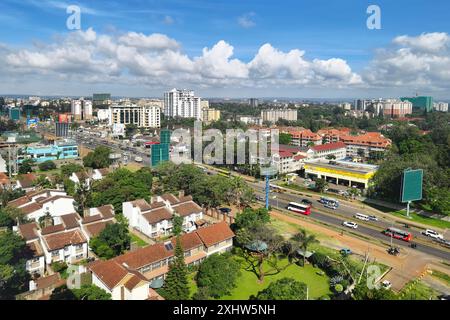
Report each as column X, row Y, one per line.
column 62, row 129
column 204, row 104
column 273, row 115
column 14, row 114
column 182, row 103
column 144, row 116
column 253, row 102
column 81, row 109
column 101, row 99
column 424, row 103
column 60, row 150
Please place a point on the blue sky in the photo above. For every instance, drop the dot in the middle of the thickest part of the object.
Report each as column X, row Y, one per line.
column 321, row 30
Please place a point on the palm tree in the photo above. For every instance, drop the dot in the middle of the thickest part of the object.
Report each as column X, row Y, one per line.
column 304, row 240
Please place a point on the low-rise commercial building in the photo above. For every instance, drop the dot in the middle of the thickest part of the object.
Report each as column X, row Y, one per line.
column 341, row 172
column 338, row 150
column 60, row 150
column 365, row 144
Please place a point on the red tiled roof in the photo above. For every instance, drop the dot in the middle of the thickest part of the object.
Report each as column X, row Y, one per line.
column 141, row 204
column 19, row 202
column 30, row 208
column 28, row 231
column 215, row 233
column 60, row 240
column 171, row 198
column 89, row 219
column 107, row 211
column 26, row 180
column 71, row 220
column 144, row 256
column 94, row 229
column 36, row 248
column 157, row 215
column 53, row 229
column 109, row 272
column 188, row 241
column 329, row 146
column 46, row 282
column 187, row 208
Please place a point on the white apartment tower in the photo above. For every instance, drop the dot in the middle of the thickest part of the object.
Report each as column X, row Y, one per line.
column 143, row 116
column 182, row 103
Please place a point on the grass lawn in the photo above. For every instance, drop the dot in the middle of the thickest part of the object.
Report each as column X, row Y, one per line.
column 417, row 290
column 133, row 167
column 192, row 283
column 247, row 283
column 287, row 229
column 140, row 242
column 423, row 219
column 441, row 276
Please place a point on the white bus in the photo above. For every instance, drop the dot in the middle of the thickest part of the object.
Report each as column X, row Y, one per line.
column 361, row 216
column 299, row 207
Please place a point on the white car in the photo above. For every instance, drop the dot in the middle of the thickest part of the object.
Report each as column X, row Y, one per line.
column 386, row 284
column 350, row 224
column 433, row 234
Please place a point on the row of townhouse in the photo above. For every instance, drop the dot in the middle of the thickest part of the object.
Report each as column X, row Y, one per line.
column 37, row 204
column 134, row 275
column 89, row 177
column 365, row 144
column 155, row 219
column 65, row 240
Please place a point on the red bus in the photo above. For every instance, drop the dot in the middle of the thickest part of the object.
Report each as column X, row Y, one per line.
column 398, row 234
column 300, row 208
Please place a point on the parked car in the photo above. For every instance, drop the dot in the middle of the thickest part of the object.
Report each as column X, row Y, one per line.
column 386, row 284
column 345, row 251
column 433, row 234
column 350, row 224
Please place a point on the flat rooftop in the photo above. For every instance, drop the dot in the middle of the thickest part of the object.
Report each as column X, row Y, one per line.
column 344, row 165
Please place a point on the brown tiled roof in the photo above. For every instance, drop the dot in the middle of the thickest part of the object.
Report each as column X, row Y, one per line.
column 19, row 202
column 36, row 248
column 188, row 241
column 107, row 211
column 53, row 229
column 55, row 198
column 4, row 178
column 141, row 204
column 157, row 215
column 109, row 272
column 28, row 231
column 60, row 240
column 171, row 198
column 32, row 207
column 81, row 175
column 158, row 204
column 93, row 218
column 215, row 233
column 26, row 180
column 103, row 171
column 187, row 208
column 70, row 220
column 144, row 256
column 186, row 198
column 46, row 282
column 94, row 229
column 132, row 282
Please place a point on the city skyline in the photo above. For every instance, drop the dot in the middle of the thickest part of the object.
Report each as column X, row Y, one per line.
column 251, row 49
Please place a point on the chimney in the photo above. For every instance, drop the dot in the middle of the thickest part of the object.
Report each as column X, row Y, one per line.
column 180, row 193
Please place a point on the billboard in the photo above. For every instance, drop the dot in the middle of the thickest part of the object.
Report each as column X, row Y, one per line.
column 64, row 118
column 32, row 123
column 412, row 181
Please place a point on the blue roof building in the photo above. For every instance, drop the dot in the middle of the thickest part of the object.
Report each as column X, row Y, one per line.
column 63, row 149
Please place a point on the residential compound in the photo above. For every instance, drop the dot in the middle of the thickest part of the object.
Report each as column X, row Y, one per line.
column 273, row 115
column 146, row 115
column 393, row 108
column 134, row 275
column 440, row 106
column 155, row 219
column 182, row 103
column 210, row 115
column 64, row 238
column 81, row 109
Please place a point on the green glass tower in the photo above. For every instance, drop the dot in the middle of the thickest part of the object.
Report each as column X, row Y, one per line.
column 420, row 102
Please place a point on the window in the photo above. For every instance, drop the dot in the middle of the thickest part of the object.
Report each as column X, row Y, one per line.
column 55, row 253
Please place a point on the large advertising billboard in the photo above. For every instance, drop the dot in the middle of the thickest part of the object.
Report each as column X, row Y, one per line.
column 412, row 185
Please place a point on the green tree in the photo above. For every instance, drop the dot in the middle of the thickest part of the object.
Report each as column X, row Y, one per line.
column 320, row 185
column 26, row 166
column 82, row 197
column 250, row 218
column 112, row 241
column 99, row 158
column 176, row 286
column 362, row 292
column 285, row 138
column 70, row 168
column 9, row 216
column 47, row 165
column 177, row 224
column 8, row 194
column 218, row 273
column 304, row 240
column 284, row 289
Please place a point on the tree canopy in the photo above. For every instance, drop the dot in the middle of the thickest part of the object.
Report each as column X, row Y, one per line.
column 99, row 158
column 284, row 289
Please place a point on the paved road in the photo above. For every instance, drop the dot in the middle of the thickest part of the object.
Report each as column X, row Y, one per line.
column 345, row 213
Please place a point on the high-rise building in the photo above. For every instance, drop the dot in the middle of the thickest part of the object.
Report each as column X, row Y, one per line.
column 182, row 103
column 273, row 115
column 144, row 116
column 441, row 106
column 420, row 102
column 210, row 115
column 253, row 102
column 160, row 152
column 62, row 129
column 81, row 109
column 396, row 108
column 101, row 99
column 14, row 114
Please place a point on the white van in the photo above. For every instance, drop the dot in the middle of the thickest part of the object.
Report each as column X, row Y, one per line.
column 361, row 216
